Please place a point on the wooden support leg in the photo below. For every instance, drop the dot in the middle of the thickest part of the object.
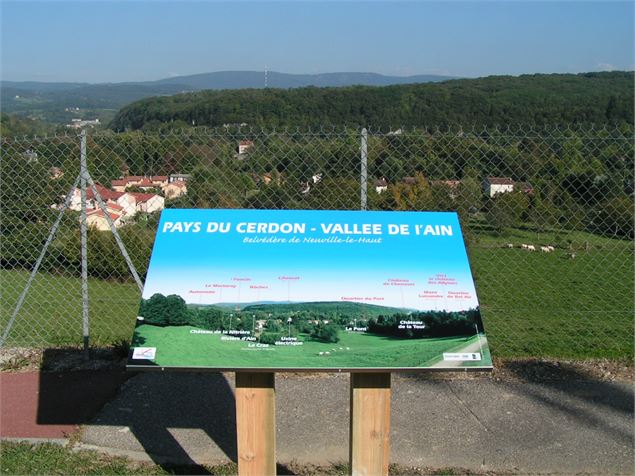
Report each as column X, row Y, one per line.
column 370, row 424
column 256, row 423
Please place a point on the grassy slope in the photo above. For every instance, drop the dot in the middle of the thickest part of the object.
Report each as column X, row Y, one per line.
column 532, row 303
column 538, row 304
column 177, row 346
column 52, row 311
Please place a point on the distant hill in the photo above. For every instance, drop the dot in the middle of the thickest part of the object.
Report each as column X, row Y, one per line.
column 49, row 101
column 256, row 80
column 540, row 99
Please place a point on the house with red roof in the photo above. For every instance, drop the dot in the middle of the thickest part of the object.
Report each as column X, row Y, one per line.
column 97, row 219
column 122, row 204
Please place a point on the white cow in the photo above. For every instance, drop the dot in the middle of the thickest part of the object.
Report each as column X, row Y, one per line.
column 531, row 247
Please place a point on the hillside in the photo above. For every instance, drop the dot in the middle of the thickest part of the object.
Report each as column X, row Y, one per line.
column 326, row 308
column 599, row 98
column 49, row 101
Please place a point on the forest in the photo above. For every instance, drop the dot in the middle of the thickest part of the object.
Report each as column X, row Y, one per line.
column 539, row 99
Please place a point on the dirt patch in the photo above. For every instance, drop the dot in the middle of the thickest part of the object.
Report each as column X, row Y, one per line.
column 19, row 359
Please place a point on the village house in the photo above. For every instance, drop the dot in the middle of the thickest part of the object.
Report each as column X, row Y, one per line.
column 143, row 182
column 172, row 186
column 79, row 123
column 127, row 204
column 148, row 202
column 174, row 189
column 495, row 185
column 179, row 178
column 244, row 146
column 381, row 185
column 97, row 220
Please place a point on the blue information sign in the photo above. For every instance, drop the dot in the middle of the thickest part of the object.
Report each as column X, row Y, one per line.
column 309, row 290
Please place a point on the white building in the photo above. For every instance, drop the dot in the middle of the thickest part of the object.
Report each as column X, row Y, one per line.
column 244, row 145
column 381, row 185
column 495, row 185
column 126, row 204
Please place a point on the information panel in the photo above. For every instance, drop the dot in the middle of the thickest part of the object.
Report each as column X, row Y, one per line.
column 309, row 290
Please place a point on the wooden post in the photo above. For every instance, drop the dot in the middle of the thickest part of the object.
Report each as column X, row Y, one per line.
column 256, row 423
column 369, row 444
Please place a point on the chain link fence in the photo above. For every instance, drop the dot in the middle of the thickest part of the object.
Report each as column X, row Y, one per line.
column 547, row 217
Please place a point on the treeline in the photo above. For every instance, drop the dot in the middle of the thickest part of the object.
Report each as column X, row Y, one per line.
column 172, row 310
column 13, row 126
column 563, row 99
column 428, row 324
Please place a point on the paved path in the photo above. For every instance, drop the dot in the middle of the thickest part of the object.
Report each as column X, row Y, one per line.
column 477, row 423
column 50, row 405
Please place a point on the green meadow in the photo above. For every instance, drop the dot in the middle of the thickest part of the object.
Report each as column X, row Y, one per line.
column 177, row 346
column 532, row 304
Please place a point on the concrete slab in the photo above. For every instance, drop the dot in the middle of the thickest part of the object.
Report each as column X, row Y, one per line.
column 481, row 423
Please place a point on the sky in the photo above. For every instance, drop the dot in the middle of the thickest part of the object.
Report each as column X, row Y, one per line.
column 220, row 266
column 114, row 41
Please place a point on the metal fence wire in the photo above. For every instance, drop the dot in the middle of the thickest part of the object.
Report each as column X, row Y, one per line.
column 547, row 216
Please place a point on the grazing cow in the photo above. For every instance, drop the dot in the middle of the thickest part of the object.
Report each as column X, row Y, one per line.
column 531, row 247
column 321, row 353
column 572, row 256
column 545, row 249
column 551, row 248
column 510, row 245
column 327, row 353
column 524, row 246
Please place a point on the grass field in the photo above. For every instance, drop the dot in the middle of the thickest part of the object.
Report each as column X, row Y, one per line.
column 48, row 458
column 52, row 311
column 176, row 346
column 533, row 304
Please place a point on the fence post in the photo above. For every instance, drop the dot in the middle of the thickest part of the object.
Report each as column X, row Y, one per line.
column 83, row 173
column 364, row 170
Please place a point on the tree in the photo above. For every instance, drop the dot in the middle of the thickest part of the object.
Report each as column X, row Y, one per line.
column 614, row 217
column 469, row 196
column 162, row 310
column 207, row 318
column 506, row 209
column 325, row 333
